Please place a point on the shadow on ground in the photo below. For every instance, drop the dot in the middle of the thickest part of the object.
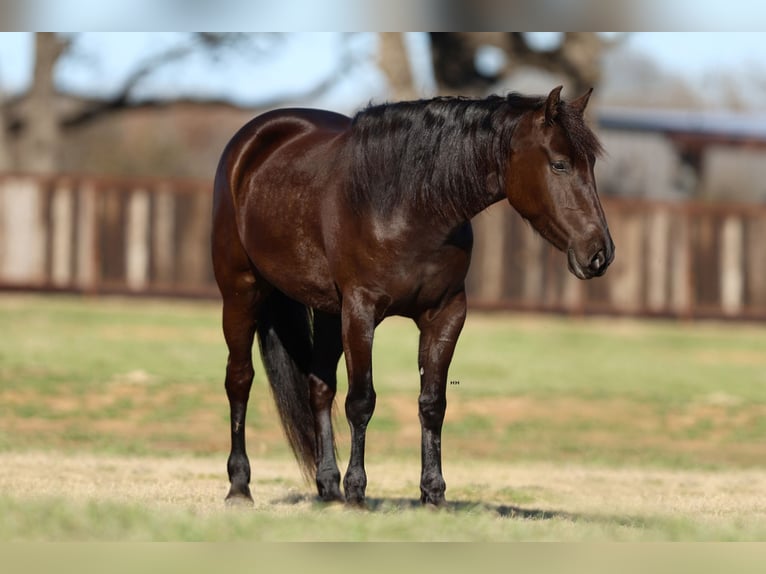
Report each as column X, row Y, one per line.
column 461, row 506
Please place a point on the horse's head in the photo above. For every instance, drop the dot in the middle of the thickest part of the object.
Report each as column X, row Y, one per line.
column 550, row 182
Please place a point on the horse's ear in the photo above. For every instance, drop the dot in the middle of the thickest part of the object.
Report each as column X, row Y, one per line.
column 552, row 105
column 580, row 103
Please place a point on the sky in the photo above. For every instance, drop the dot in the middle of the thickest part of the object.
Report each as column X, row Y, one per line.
column 694, row 54
column 292, row 63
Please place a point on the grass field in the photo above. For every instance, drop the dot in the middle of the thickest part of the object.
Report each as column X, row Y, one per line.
column 113, row 426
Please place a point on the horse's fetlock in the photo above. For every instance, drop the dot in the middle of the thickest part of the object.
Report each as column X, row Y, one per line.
column 432, row 489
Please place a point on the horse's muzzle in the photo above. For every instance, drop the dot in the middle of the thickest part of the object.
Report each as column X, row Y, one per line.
column 595, row 264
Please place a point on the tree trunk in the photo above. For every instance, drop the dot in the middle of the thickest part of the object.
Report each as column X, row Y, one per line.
column 40, row 142
column 395, row 64
column 5, row 149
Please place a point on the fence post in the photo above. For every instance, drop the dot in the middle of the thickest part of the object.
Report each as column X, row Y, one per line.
column 756, row 262
column 62, row 214
column 194, row 247
column 732, row 274
column 681, row 277
column 163, row 246
column 490, row 241
column 21, row 214
column 657, row 260
column 137, row 240
column 87, row 248
column 626, row 272
column 532, row 281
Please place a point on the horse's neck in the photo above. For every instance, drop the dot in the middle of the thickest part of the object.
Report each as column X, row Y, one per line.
column 492, row 193
column 494, row 182
column 486, row 196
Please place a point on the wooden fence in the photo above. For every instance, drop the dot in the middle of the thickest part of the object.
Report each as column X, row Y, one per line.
column 151, row 237
column 672, row 259
column 106, row 235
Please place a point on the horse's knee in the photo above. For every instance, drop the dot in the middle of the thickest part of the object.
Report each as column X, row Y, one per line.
column 431, row 409
column 359, row 408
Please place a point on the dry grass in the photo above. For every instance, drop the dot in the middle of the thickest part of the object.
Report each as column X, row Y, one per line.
column 499, row 501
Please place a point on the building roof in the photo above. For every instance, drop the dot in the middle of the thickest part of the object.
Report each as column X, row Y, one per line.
column 701, row 127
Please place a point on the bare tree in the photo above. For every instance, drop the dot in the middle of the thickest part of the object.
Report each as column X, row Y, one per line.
column 5, row 149
column 213, row 43
column 394, row 62
column 35, row 123
column 576, row 58
column 40, row 141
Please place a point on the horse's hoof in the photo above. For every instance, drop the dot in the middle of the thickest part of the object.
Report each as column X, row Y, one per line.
column 239, row 498
column 433, row 502
column 357, row 502
column 329, row 490
column 330, row 497
column 239, row 502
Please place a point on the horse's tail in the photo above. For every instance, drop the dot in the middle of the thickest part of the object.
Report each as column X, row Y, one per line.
column 284, row 338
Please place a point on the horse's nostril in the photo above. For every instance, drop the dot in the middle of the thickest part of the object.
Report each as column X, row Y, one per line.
column 598, row 260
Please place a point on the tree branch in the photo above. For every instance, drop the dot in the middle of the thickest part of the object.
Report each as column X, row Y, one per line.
column 122, row 100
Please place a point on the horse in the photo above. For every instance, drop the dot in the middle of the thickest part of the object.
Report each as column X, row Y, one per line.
column 324, row 225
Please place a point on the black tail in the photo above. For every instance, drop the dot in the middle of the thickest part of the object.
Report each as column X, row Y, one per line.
column 284, row 337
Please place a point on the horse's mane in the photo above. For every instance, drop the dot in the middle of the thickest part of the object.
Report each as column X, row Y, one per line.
column 438, row 153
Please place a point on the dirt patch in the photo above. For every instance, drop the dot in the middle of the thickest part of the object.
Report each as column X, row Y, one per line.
column 714, row 430
column 731, row 357
column 144, row 418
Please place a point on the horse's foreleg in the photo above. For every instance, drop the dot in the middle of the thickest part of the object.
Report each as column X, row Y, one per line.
column 328, row 348
column 358, row 324
column 239, row 322
column 439, row 332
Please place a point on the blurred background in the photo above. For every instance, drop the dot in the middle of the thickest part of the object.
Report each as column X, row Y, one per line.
column 109, row 143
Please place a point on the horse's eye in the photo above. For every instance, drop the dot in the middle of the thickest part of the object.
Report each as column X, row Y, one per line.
column 560, row 166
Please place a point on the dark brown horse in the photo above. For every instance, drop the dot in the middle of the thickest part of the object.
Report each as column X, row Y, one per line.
column 324, row 225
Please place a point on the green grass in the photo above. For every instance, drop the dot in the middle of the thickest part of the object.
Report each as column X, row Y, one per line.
column 59, row 519
column 135, row 377
column 122, row 375
column 595, row 358
column 82, row 344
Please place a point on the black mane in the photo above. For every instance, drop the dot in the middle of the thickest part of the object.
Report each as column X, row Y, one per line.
column 438, row 153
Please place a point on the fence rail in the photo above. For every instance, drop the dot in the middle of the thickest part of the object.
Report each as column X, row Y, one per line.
column 151, row 237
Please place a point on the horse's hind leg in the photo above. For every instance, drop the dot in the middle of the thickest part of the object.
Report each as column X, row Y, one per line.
column 240, row 308
column 328, row 347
